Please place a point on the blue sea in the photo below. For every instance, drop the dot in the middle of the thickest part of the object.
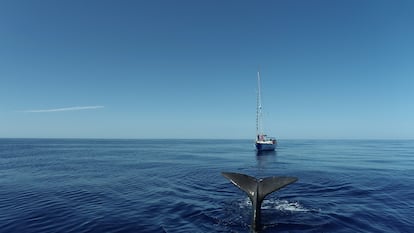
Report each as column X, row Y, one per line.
column 83, row 185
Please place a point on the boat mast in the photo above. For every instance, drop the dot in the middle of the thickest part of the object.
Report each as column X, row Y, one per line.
column 259, row 129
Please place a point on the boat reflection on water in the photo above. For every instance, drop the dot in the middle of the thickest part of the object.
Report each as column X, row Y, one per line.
column 263, row 154
column 265, row 157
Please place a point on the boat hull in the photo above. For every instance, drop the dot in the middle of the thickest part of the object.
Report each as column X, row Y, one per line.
column 265, row 146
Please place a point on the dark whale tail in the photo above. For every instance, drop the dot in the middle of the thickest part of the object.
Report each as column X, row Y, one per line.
column 258, row 189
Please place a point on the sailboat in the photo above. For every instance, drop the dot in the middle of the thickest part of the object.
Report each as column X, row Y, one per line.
column 263, row 142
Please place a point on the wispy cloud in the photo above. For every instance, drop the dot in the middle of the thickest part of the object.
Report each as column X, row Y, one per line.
column 77, row 108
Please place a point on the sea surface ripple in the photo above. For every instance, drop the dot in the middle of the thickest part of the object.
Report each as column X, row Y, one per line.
column 85, row 185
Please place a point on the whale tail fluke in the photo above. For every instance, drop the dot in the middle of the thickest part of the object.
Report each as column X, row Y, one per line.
column 258, row 189
column 274, row 183
column 244, row 182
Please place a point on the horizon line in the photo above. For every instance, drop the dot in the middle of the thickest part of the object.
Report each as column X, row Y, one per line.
column 102, row 138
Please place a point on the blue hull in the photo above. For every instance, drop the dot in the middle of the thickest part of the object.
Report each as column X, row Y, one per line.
column 265, row 147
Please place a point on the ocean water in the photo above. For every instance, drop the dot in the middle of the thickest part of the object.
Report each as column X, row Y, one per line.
column 70, row 185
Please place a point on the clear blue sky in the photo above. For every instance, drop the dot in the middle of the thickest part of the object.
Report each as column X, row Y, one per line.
column 187, row 69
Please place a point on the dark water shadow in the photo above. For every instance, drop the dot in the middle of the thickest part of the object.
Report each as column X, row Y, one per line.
column 264, row 158
column 265, row 154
